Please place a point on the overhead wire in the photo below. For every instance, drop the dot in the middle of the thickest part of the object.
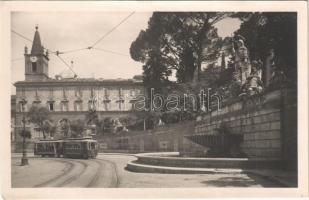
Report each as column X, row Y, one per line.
column 22, row 36
column 29, row 40
column 58, row 53
column 99, row 40
column 69, row 51
column 112, row 52
column 111, row 30
column 58, row 56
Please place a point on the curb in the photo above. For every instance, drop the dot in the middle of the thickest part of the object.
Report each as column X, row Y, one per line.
column 141, row 168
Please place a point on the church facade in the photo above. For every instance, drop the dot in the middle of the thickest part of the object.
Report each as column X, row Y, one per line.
column 71, row 97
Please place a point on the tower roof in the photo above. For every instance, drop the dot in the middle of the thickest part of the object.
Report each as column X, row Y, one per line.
column 36, row 45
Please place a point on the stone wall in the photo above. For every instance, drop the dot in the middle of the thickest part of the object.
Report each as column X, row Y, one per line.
column 165, row 138
column 265, row 122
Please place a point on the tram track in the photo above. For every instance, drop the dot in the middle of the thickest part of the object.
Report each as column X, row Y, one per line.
column 69, row 168
column 92, row 173
column 95, row 180
column 116, row 176
column 73, row 177
column 70, row 174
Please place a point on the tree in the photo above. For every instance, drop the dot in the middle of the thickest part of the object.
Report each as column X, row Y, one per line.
column 53, row 129
column 173, row 41
column 100, row 126
column 91, row 117
column 39, row 116
column 65, row 127
column 77, row 127
column 156, row 72
column 25, row 133
column 49, row 127
column 272, row 30
column 108, row 124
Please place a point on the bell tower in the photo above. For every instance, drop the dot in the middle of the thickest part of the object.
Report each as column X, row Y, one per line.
column 36, row 63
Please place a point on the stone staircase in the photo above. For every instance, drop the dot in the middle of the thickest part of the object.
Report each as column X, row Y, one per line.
column 170, row 162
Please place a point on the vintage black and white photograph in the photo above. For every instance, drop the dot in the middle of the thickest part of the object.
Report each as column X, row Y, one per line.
column 154, row 99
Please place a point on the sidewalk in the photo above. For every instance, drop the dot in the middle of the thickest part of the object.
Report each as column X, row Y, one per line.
column 283, row 177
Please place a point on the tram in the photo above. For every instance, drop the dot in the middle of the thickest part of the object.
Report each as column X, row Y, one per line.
column 80, row 148
column 68, row 148
column 49, row 148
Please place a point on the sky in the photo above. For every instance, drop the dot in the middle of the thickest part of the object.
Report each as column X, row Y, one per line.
column 64, row 31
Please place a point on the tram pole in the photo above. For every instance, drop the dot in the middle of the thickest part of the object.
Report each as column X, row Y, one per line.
column 24, row 159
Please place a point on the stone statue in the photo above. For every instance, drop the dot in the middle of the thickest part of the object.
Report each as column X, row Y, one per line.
column 242, row 64
column 254, row 83
column 278, row 78
column 256, row 68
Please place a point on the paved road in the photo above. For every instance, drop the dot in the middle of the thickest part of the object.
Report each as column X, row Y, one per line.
column 108, row 170
column 58, row 172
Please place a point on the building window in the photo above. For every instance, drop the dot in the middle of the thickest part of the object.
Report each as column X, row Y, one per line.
column 78, row 92
column 78, row 106
column 64, row 106
column 51, row 106
column 21, row 107
column 92, row 104
column 132, row 92
column 34, row 67
column 120, row 102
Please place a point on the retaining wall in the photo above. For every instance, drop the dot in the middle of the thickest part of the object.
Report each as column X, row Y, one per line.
column 268, row 123
column 161, row 139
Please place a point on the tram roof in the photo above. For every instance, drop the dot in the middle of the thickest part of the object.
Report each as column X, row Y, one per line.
column 81, row 139
column 89, row 139
column 48, row 140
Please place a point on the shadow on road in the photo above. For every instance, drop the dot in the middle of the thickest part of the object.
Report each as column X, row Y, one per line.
column 248, row 180
column 231, row 182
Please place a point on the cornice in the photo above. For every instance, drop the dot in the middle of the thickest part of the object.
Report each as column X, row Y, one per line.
column 52, row 82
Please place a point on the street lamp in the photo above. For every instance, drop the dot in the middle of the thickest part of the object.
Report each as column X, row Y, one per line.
column 24, row 159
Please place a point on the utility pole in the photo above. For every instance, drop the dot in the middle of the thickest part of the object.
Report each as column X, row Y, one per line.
column 24, row 159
